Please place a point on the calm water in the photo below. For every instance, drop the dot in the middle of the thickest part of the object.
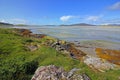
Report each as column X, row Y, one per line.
column 80, row 33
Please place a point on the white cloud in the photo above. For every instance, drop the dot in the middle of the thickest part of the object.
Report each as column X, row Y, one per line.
column 2, row 20
column 115, row 6
column 66, row 18
column 92, row 18
column 111, row 21
column 14, row 21
column 18, row 21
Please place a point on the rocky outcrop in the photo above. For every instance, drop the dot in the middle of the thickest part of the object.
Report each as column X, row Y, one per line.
column 53, row 72
column 28, row 33
column 24, row 32
column 78, row 54
column 67, row 48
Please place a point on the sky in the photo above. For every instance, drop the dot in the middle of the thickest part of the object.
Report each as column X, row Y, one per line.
column 56, row 12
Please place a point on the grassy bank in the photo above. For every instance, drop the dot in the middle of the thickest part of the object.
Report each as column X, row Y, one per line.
column 17, row 62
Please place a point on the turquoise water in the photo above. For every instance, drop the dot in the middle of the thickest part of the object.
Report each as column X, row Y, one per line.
column 80, row 33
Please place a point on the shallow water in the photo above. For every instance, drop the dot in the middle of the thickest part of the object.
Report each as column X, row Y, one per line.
column 80, row 33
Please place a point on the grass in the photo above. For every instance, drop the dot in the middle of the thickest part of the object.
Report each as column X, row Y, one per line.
column 18, row 63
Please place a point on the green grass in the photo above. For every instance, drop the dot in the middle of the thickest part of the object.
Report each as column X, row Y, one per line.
column 18, row 63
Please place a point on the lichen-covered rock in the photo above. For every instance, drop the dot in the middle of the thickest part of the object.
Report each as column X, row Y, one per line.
column 52, row 72
column 112, row 56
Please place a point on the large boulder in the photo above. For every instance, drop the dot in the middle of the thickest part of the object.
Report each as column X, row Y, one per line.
column 53, row 72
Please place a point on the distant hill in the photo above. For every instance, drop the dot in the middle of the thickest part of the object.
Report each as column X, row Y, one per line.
column 79, row 24
column 113, row 25
column 5, row 24
column 82, row 24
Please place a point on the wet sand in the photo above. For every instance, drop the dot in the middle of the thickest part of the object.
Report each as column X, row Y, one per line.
column 89, row 46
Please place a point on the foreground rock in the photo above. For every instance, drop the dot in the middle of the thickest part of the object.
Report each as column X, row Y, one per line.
column 57, row 73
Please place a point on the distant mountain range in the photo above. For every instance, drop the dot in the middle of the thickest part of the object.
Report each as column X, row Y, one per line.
column 113, row 25
column 82, row 24
column 79, row 24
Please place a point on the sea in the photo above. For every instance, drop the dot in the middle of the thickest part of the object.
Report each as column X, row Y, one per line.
column 78, row 33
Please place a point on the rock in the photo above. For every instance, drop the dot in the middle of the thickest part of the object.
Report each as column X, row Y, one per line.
column 53, row 72
column 78, row 54
column 85, row 77
column 71, row 73
column 98, row 64
column 32, row 47
column 38, row 35
column 24, row 32
column 67, row 48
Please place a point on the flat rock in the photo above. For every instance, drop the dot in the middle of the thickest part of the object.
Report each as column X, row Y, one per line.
column 98, row 64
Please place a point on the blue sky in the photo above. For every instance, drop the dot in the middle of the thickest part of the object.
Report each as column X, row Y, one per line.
column 41, row 12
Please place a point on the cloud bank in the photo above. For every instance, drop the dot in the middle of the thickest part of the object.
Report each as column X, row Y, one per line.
column 93, row 18
column 115, row 6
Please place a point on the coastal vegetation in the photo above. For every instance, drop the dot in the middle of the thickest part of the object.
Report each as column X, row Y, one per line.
column 19, row 62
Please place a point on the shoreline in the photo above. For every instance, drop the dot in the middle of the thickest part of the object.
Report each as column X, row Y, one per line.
column 86, row 52
column 36, row 50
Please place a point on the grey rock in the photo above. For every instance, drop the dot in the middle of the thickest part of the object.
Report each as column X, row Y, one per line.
column 32, row 47
column 53, row 72
column 98, row 64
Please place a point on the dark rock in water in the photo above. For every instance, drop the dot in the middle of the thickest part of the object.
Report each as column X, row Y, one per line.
column 52, row 72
